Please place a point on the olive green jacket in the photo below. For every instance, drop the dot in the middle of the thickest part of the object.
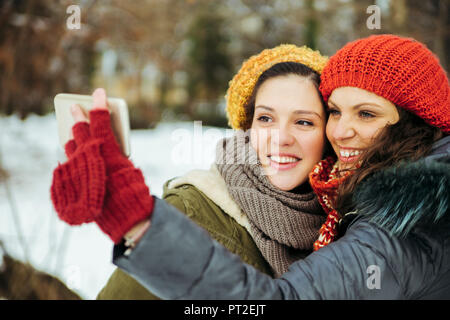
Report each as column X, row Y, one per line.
column 202, row 195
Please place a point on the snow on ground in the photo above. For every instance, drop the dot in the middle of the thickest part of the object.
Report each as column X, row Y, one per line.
column 80, row 256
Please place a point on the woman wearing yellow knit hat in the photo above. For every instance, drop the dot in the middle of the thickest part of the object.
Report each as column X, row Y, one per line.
column 256, row 199
column 244, row 82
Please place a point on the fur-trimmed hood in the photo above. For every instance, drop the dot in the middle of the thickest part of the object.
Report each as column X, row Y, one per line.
column 414, row 194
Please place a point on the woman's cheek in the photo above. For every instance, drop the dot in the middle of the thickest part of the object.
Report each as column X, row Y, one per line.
column 316, row 145
column 256, row 143
column 254, row 139
column 259, row 142
column 329, row 132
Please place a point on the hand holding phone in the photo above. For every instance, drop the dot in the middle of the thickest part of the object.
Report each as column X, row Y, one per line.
column 66, row 118
column 98, row 183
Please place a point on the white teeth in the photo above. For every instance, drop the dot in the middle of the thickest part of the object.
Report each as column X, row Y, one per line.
column 283, row 159
column 350, row 154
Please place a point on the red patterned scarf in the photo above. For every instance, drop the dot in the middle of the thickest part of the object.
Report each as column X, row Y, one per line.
column 324, row 180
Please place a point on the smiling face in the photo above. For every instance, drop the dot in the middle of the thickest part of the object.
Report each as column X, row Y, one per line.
column 356, row 117
column 288, row 129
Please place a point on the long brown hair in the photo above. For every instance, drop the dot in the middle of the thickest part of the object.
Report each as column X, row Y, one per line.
column 409, row 139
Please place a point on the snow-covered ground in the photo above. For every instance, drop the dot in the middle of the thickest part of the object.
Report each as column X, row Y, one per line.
column 80, row 256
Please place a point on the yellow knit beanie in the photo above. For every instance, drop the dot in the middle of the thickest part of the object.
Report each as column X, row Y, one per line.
column 241, row 86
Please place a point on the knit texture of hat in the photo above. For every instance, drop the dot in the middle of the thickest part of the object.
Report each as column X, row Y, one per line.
column 401, row 70
column 241, row 86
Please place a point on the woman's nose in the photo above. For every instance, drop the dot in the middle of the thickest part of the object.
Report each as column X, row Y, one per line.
column 343, row 129
column 282, row 137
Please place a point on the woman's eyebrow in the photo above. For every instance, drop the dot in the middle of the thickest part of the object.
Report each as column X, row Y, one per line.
column 295, row 112
column 265, row 107
column 357, row 106
column 331, row 102
column 307, row 112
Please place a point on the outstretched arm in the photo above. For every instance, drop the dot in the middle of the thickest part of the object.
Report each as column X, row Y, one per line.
column 175, row 254
column 176, row 259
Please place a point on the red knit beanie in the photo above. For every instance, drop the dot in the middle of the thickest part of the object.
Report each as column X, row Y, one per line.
column 401, row 70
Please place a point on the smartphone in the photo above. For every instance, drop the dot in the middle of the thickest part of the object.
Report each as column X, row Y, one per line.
column 117, row 108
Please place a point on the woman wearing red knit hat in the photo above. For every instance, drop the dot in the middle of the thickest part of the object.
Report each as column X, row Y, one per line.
column 387, row 235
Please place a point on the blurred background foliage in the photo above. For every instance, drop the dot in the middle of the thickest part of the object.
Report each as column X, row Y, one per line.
column 173, row 59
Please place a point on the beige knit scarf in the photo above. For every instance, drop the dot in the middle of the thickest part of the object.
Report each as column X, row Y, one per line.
column 284, row 225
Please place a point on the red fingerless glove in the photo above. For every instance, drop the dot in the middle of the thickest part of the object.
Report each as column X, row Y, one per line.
column 125, row 198
column 78, row 186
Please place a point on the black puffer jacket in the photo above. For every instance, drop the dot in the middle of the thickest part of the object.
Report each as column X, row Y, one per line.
column 397, row 247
